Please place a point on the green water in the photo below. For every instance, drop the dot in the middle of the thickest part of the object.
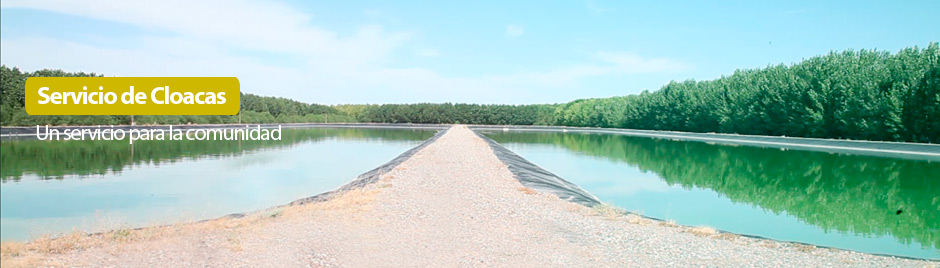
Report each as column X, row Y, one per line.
column 54, row 187
column 834, row 200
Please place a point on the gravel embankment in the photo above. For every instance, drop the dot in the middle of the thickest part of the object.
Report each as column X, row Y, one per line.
column 451, row 204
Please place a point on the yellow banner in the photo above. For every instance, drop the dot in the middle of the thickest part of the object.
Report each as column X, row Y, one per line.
column 132, row 96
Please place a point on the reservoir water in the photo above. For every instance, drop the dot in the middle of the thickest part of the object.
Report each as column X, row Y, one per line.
column 51, row 188
column 862, row 203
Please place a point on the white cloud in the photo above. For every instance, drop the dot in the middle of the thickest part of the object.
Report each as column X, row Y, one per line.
column 514, row 30
column 321, row 83
column 266, row 26
column 323, row 66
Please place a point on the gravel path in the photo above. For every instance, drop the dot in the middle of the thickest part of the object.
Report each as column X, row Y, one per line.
column 451, row 204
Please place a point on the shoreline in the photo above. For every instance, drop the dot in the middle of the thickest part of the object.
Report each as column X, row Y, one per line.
column 905, row 150
column 357, row 202
column 21, row 132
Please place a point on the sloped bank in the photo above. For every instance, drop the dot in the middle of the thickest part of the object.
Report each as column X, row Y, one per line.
column 535, row 177
column 373, row 175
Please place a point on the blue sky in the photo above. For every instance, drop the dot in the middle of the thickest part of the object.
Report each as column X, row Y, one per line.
column 513, row 52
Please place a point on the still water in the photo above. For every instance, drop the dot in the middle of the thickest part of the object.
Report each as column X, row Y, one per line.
column 52, row 188
column 834, row 200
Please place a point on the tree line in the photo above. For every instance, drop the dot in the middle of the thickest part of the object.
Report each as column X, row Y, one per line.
column 454, row 113
column 865, row 95
column 254, row 108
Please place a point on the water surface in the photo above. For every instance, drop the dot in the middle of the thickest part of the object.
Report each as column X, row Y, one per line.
column 54, row 187
column 835, row 200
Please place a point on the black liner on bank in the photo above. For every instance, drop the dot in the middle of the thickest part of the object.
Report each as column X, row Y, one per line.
column 370, row 176
column 535, row 177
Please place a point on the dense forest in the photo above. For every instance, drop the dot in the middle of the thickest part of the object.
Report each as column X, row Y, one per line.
column 866, row 95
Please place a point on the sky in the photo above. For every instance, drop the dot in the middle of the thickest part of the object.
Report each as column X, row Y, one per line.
column 509, row 52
